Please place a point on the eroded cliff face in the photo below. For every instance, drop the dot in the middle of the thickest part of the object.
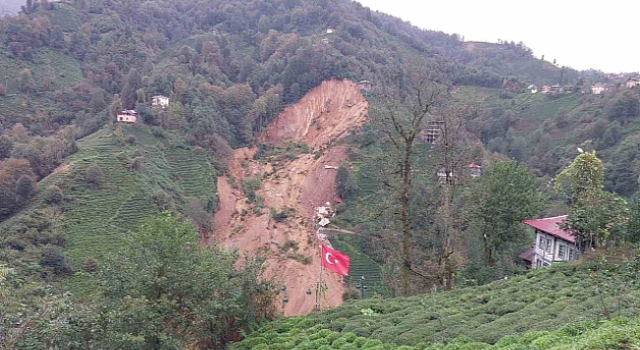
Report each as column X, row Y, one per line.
column 326, row 114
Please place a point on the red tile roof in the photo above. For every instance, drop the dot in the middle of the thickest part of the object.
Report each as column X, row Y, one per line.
column 550, row 226
column 473, row 165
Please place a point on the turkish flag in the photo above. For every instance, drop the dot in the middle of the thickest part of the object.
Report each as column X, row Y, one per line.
column 335, row 261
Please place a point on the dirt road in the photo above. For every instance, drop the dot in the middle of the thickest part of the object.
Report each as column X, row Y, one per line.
column 326, row 114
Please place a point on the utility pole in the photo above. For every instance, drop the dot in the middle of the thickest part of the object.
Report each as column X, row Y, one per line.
column 319, row 287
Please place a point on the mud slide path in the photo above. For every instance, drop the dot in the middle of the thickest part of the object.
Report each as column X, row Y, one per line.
column 325, row 114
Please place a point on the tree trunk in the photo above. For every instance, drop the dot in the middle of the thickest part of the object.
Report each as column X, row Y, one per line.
column 488, row 254
column 406, row 229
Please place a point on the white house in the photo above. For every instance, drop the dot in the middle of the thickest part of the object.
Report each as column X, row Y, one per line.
column 127, row 116
column 330, row 31
column 533, row 88
column 598, row 88
column 552, row 243
column 633, row 82
column 160, row 101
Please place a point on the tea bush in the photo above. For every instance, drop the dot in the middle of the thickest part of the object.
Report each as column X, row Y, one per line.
column 566, row 306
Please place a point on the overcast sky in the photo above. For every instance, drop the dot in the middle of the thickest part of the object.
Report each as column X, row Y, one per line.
column 583, row 34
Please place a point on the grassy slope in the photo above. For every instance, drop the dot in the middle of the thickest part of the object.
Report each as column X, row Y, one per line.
column 96, row 219
column 536, row 307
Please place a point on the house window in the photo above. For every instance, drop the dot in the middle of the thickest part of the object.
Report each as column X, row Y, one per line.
column 540, row 242
column 562, row 251
column 549, row 245
column 571, row 254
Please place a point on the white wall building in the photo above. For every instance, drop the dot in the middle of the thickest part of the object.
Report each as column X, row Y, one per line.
column 552, row 243
column 598, row 88
column 127, row 116
column 160, row 101
column 632, row 83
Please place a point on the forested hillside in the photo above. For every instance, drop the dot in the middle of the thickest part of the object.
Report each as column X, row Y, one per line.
column 105, row 228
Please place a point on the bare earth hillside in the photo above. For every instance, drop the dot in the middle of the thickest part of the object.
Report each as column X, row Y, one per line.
column 325, row 114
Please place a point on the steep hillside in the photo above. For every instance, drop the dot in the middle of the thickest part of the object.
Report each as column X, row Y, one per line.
column 143, row 172
column 542, row 308
column 274, row 211
column 545, row 130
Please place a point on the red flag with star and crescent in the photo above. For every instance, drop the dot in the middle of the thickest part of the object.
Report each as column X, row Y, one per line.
column 335, row 261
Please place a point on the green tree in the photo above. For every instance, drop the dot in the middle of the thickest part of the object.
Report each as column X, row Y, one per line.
column 594, row 213
column 25, row 80
column 46, row 79
column 504, row 196
column 633, row 225
column 115, row 107
column 6, row 145
column 25, row 187
column 129, row 94
column 53, row 195
column 94, row 176
column 57, row 37
column 151, row 300
column 625, row 108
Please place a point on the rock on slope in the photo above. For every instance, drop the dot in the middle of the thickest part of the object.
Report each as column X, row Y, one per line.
column 325, row 114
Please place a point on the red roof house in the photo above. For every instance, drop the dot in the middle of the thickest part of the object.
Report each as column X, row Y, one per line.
column 552, row 242
column 552, row 227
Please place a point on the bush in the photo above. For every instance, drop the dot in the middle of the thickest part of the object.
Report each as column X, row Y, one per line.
column 159, row 132
column 138, row 162
column 131, row 139
column 301, row 258
column 90, row 265
column 15, row 242
column 52, row 257
column 93, row 176
column 282, row 215
column 351, row 293
column 250, row 185
column 3, row 90
column 53, row 195
column 25, row 187
column 162, row 200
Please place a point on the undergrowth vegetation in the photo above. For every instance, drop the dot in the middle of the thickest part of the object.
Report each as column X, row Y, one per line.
column 557, row 307
column 616, row 334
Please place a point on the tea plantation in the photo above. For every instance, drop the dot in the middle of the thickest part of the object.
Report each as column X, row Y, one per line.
column 97, row 217
column 571, row 306
column 361, row 266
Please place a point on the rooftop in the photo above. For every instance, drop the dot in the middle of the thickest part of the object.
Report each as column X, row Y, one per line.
column 528, row 255
column 550, row 226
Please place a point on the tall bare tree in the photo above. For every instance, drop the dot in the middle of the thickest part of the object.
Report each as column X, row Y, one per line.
column 400, row 113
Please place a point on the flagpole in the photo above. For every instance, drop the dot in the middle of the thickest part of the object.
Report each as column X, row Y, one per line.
column 319, row 288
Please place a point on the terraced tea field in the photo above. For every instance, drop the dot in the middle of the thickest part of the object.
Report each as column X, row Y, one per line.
column 361, row 266
column 562, row 307
column 97, row 219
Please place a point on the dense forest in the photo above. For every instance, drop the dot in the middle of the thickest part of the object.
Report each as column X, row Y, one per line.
column 229, row 68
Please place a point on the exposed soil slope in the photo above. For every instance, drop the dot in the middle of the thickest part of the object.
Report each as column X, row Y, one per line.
column 324, row 115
